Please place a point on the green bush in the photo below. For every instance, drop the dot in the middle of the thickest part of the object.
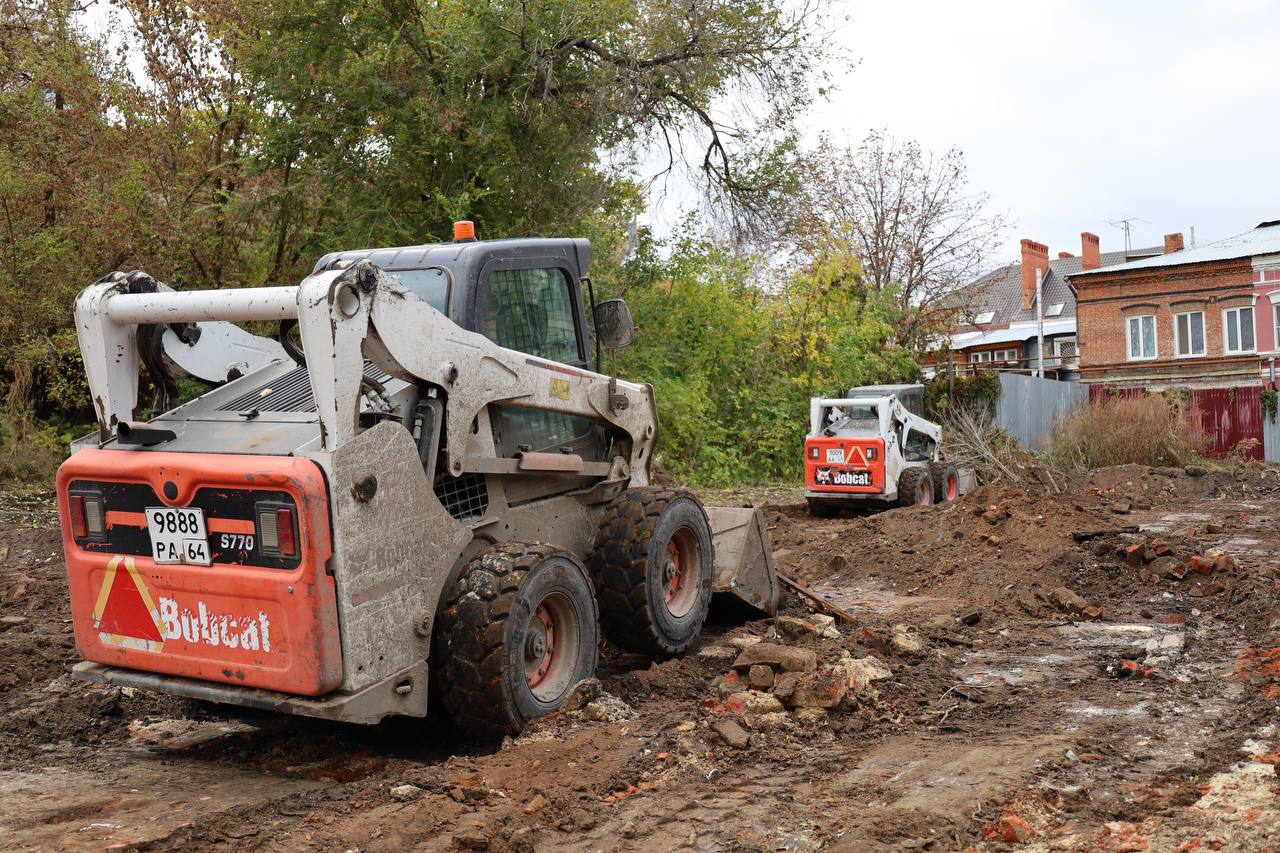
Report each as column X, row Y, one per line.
column 29, row 453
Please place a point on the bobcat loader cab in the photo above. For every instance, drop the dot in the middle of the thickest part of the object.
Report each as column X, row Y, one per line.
column 424, row 476
column 874, row 447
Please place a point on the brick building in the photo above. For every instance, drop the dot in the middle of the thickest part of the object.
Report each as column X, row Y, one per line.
column 1200, row 317
column 998, row 329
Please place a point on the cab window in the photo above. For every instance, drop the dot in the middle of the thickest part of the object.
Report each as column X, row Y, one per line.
column 531, row 311
column 431, row 285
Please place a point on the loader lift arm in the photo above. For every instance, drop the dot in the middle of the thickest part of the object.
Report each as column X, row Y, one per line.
column 345, row 317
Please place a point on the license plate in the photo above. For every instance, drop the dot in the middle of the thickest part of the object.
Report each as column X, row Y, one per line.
column 835, row 455
column 178, row 535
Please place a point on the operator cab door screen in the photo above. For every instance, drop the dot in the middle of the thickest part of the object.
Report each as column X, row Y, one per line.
column 532, row 311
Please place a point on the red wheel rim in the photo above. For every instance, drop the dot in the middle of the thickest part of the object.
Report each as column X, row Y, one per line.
column 681, row 569
column 953, row 486
column 926, row 493
column 540, row 646
column 552, row 645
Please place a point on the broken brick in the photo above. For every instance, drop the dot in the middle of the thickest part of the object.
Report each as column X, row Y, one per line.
column 1067, row 600
column 1135, row 554
column 1128, row 668
column 1093, row 611
column 1200, row 565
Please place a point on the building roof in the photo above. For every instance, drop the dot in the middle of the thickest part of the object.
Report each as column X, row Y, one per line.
column 1008, row 334
column 1263, row 240
column 999, row 292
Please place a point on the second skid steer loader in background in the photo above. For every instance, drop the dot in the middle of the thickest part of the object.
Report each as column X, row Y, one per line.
column 423, row 492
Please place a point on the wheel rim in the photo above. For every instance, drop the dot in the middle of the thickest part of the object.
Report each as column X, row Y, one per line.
column 953, row 486
column 551, row 645
column 925, row 493
column 681, row 567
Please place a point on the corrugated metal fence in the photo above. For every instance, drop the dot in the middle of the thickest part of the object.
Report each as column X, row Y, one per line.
column 1029, row 406
column 1226, row 418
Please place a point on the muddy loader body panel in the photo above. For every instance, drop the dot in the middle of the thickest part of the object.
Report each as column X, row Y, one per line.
column 442, row 405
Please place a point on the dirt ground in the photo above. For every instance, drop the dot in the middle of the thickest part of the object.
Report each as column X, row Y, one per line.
column 972, row 703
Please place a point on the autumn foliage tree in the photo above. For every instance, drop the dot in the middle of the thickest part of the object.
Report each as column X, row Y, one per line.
column 909, row 215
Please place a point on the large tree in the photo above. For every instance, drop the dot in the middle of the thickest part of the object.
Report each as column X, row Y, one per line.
column 386, row 119
column 909, row 215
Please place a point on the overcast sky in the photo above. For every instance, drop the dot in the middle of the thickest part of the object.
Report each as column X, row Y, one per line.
column 1074, row 114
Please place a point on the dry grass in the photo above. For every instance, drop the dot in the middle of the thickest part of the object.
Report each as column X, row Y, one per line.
column 1142, row 431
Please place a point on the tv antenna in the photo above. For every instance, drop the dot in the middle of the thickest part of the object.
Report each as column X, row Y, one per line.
column 1126, row 225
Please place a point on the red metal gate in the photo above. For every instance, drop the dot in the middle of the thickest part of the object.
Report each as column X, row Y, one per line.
column 1224, row 417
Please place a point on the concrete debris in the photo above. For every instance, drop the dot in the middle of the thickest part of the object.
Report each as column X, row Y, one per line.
column 970, row 617
column 807, row 630
column 582, row 693
column 1195, row 471
column 861, row 673
column 753, row 702
column 608, row 709
column 732, row 733
column 826, row 626
column 759, row 677
column 906, row 641
column 795, row 630
column 7, row 622
column 780, row 658
column 741, row 643
column 184, row 734
column 718, row 654
column 405, row 793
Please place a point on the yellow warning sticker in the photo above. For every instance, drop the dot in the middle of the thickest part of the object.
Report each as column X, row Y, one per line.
column 560, row 389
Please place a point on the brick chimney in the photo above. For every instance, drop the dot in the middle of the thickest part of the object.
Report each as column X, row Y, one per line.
column 1173, row 242
column 1062, row 256
column 1035, row 256
column 1090, row 254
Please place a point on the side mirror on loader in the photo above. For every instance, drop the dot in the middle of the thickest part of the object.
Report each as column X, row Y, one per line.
column 614, row 326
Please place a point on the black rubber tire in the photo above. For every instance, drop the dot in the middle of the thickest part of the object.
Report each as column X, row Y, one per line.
column 946, row 482
column 628, row 563
column 480, row 637
column 820, row 508
column 915, row 487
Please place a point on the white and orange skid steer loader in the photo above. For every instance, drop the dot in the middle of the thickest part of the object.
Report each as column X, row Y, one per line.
column 874, row 448
column 424, row 481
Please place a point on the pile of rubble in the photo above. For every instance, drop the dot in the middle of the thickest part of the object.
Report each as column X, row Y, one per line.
column 1158, row 561
column 768, row 679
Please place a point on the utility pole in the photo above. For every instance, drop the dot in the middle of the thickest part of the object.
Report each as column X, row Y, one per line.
column 1039, row 324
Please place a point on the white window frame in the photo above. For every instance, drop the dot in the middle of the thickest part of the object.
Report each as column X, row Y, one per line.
column 1128, row 338
column 1275, row 328
column 984, row 318
column 1177, row 336
column 1058, row 344
column 1226, row 349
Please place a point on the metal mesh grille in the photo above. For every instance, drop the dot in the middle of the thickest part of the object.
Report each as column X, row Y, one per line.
column 531, row 311
column 290, row 393
column 463, row 497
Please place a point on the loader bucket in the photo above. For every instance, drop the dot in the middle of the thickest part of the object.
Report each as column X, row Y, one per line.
column 744, row 560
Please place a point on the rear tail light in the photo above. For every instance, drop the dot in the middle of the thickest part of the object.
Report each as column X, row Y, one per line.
column 813, row 451
column 87, row 517
column 277, row 530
